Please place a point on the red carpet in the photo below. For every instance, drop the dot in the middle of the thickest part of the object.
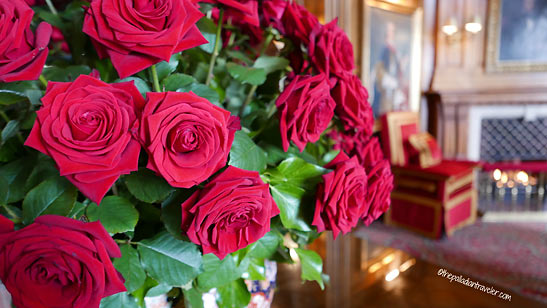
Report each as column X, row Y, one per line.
column 510, row 255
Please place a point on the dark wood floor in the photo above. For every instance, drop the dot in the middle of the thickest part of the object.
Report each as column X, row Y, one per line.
column 418, row 287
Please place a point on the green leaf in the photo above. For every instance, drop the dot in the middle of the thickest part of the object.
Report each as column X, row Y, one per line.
column 236, row 54
column 193, row 297
column 264, row 247
column 256, row 270
column 158, row 290
column 119, row 300
column 77, row 211
column 69, row 73
column 141, row 85
column 218, row 272
column 312, row 265
column 202, row 91
column 45, row 169
column 288, row 198
column 53, row 196
column 249, row 75
column 234, row 295
column 299, row 172
column 116, row 214
column 209, row 47
column 34, row 96
column 171, row 213
column 165, row 68
column 208, row 29
column 16, row 173
column 130, row 267
column 4, row 190
column 177, row 81
column 9, row 97
column 271, row 64
column 169, row 260
column 11, row 129
column 147, row 187
column 245, row 154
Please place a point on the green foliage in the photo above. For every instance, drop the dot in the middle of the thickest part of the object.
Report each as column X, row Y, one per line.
column 177, row 81
column 119, row 300
column 141, row 85
column 130, row 267
column 53, row 196
column 147, row 187
column 245, row 154
column 116, row 214
column 234, row 295
column 249, row 75
column 143, row 212
column 170, row 261
column 312, row 265
column 291, row 183
column 217, row 273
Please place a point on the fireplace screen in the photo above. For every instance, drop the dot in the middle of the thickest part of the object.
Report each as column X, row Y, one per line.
column 513, row 139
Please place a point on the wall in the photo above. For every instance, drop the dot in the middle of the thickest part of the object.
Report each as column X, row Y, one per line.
column 461, row 79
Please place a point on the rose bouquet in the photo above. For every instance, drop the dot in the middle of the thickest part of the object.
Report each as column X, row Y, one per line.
column 171, row 146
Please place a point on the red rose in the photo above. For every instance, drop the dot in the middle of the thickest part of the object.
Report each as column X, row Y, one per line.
column 298, row 23
column 187, row 137
column 340, row 200
column 352, row 105
column 331, row 50
column 6, row 225
column 229, row 213
column 22, row 53
column 59, row 262
column 86, row 127
column 305, row 110
column 380, row 179
column 34, row 2
column 245, row 10
column 58, row 39
column 272, row 12
column 239, row 20
column 137, row 34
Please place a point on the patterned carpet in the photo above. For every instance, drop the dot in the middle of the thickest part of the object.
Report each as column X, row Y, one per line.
column 510, row 255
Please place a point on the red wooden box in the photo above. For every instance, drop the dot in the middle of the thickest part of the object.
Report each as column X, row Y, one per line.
column 430, row 201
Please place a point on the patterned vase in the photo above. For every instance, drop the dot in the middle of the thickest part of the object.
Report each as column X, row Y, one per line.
column 262, row 291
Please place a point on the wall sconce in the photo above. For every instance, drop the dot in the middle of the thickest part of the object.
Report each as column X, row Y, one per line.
column 451, row 27
column 474, row 26
column 452, row 31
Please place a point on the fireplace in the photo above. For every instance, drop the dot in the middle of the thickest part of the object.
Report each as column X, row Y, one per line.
column 511, row 141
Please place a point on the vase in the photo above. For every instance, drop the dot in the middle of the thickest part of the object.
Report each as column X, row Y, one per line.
column 5, row 297
column 262, row 291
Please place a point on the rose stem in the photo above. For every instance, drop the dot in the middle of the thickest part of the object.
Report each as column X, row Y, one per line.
column 43, row 80
column 155, row 78
column 51, row 7
column 127, row 242
column 217, row 46
column 249, row 97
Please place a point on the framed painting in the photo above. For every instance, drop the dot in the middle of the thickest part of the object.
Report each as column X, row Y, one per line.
column 517, row 36
column 392, row 55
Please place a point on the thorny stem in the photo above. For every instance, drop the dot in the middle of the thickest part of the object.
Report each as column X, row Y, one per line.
column 216, row 48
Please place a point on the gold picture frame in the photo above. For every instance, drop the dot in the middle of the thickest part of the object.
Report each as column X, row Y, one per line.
column 412, row 12
column 494, row 63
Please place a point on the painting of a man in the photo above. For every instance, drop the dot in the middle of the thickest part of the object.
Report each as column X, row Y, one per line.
column 389, row 61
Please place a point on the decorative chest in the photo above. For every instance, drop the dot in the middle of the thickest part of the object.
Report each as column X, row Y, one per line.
column 433, row 200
